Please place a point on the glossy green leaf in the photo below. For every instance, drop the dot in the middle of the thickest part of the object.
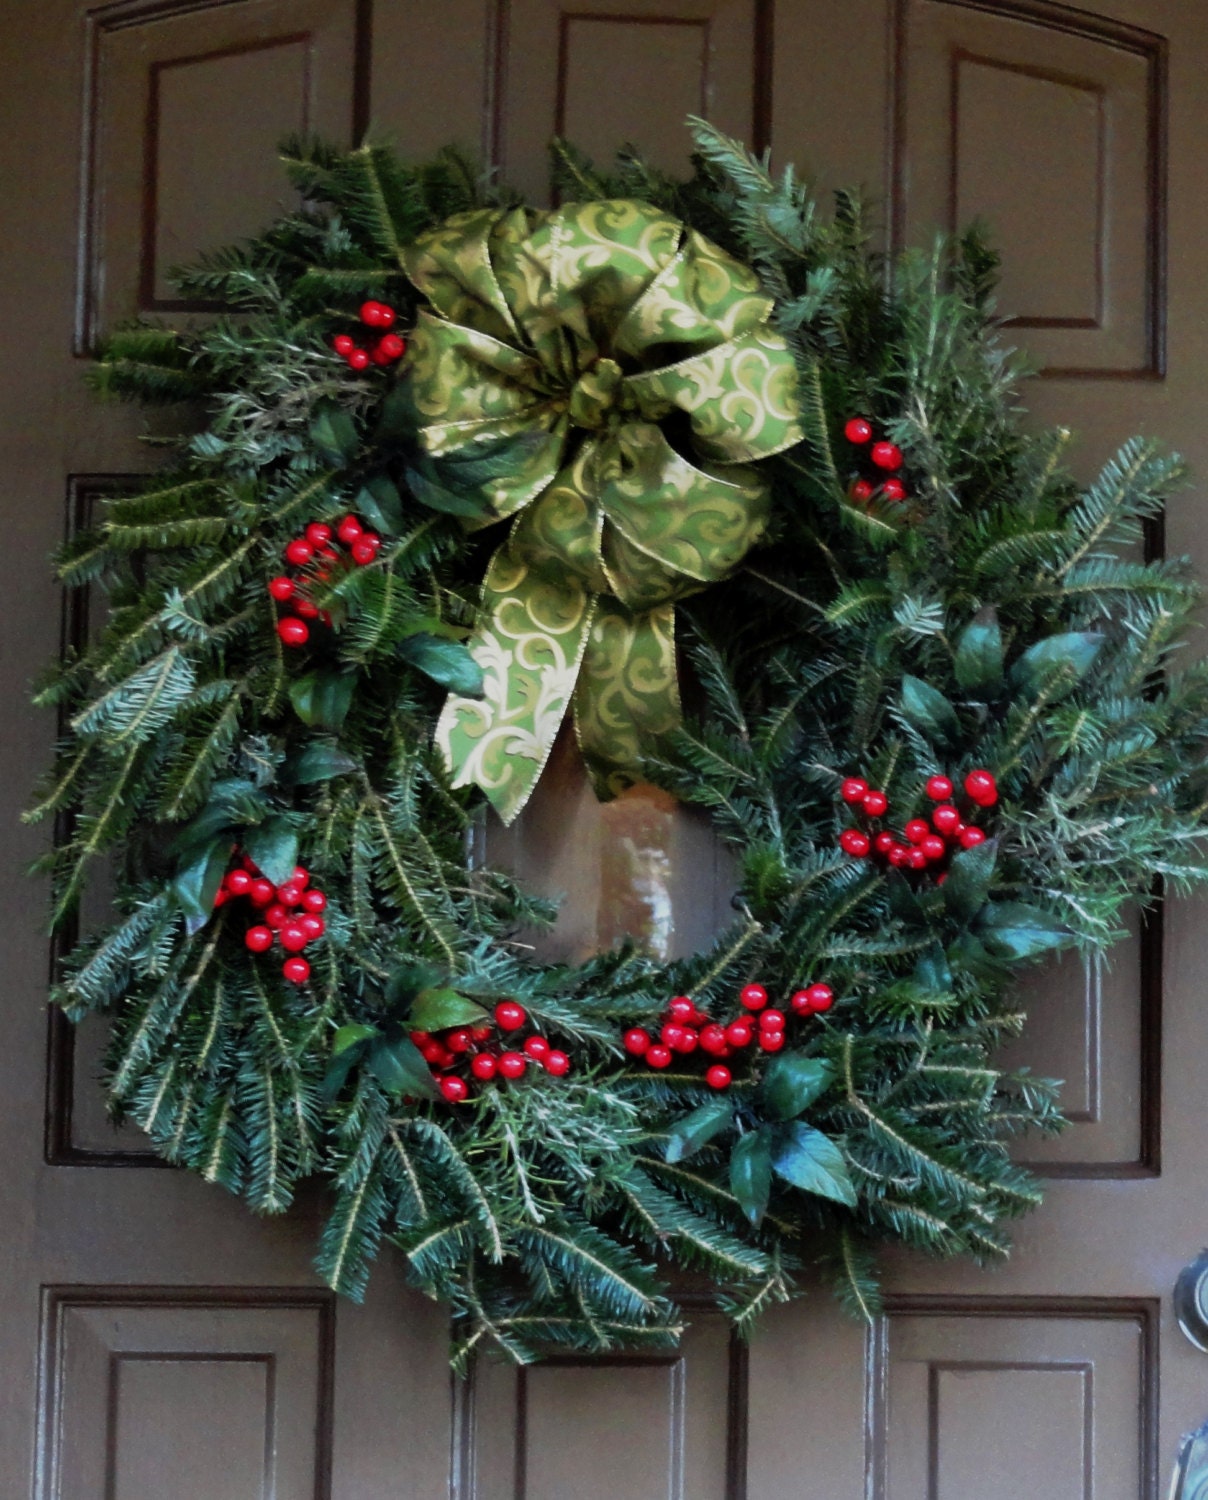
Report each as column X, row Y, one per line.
column 812, row 1162
column 274, row 847
column 751, row 1173
column 399, row 1068
column 379, row 502
column 1014, row 930
column 319, row 762
column 197, row 883
column 697, row 1129
column 792, row 1082
column 978, row 659
column 446, row 662
column 1073, row 652
column 350, row 1035
column 969, row 876
column 926, row 708
column 322, row 699
column 334, row 434
column 436, row 1009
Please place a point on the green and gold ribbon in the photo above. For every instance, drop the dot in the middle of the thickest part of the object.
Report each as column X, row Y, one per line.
column 600, row 375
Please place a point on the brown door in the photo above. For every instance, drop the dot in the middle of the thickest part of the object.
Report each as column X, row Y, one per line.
column 157, row 1341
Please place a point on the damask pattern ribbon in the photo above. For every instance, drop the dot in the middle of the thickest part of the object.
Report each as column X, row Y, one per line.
column 600, row 374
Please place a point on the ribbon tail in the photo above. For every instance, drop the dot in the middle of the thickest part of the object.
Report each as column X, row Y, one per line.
column 627, row 693
column 529, row 641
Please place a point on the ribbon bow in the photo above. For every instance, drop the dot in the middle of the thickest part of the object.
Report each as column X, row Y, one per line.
column 568, row 365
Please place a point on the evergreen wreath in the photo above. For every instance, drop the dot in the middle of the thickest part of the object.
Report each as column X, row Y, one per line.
column 931, row 706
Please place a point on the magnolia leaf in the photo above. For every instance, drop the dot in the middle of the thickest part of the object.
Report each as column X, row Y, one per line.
column 319, row 761
column 446, row 662
column 322, row 699
column 399, row 1068
column 1014, row 930
column 698, row 1129
column 379, row 502
column 978, row 660
column 928, row 710
column 813, row 1162
column 792, row 1082
column 274, row 847
column 969, row 876
column 334, row 434
column 751, row 1173
column 1074, row 652
column 438, row 1009
column 350, row 1035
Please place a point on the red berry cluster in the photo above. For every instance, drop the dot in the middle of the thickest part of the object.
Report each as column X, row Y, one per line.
column 686, row 1029
column 290, row 913
column 387, row 349
column 468, row 1046
column 922, row 844
column 886, row 459
column 313, row 552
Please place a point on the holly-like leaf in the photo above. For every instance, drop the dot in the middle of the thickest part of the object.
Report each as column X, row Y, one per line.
column 1014, row 930
column 812, row 1162
column 197, row 883
column 379, row 502
column 446, row 662
column 322, row 699
column 319, row 761
column 978, row 660
column 437, row 497
column 926, row 708
column 698, row 1129
column 969, row 877
column 438, row 1009
column 751, row 1173
column 399, row 1068
column 932, row 971
column 792, row 1082
column 274, row 847
column 1073, row 652
column 334, row 434
column 350, row 1035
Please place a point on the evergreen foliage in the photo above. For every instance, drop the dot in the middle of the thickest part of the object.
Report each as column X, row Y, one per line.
column 1001, row 618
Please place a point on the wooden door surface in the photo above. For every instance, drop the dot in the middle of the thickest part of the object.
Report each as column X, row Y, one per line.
column 155, row 1340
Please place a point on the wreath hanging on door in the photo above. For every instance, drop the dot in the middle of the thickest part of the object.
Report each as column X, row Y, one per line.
column 688, row 462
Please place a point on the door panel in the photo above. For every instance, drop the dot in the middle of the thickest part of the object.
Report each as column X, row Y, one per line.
column 142, row 1311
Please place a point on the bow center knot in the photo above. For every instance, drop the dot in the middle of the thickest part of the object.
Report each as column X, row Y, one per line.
column 596, row 392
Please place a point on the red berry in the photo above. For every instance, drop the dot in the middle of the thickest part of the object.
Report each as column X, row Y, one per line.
column 718, row 1077
column 933, row 847
column 259, row 939
column 771, row 1041
column 672, row 1035
column 484, row 1066
column 897, row 855
column 305, row 610
column 739, row 1033
column 296, row 969
column 916, row 830
column 509, row 1016
column 636, row 1042
column 512, row 1064
column 855, row 843
column 862, row 491
column 299, row 552
column 300, row 877
column 313, row 927
column 376, row 314
column 753, row 996
column 857, row 430
column 454, row 1089
column 682, row 1010
column 314, row 901
column 801, row 1002
column 391, row 346
column 221, row 897
column 276, row 916
column 820, row 996
column 713, row 1039
column 359, row 359
column 362, row 552
column 939, row 788
column 946, row 819
column 893, row 489
column 379, row 356
column 687, row 1042
column 915, row 859
column 886, row 455
column 238, row 882
column 458, row 1040
column 971, row 837
column 289, row 894
column 261, row 892
column 349, row 530
column 536, row 1047
column 853, row 789
column 876, row 804
column 884, row 842
column 293, row 937
column 433, row 1053
column 318, row 534
column 557, row 1063
column 293, row 632
column 981, row 788
column 659, row 1057
column 481, row 1033
column 772, row 1020
column 343, row 344
column 420, row 1038
column 281, row 587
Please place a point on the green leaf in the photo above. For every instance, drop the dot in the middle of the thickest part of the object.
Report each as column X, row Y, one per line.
column 1074, row 651
column 405, row 983
column 274, row 847
column 698, row 1129
column 969, row 877
column 334, row 434
column 197, row 883
column 399, row 1068
column 398, row 419
column 813, row 1162
column 437, row 497
column 322, row 699
column 350, row 1035
column 932, row 971
column 446, row 662
column 379, row 502
column 792, row 1082
column 319, row 761
column 978, row 660
column 751, row 1173
column 437, row 1009
column 1014, row 930
column 904, row 902
column 928, row 710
